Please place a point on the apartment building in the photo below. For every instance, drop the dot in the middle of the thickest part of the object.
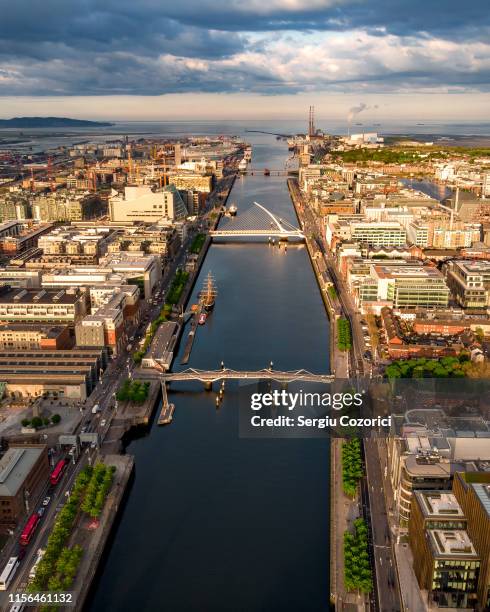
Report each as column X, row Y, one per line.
column 64, row 205
column 192, row 181
column 42, row 305
column 24, row 336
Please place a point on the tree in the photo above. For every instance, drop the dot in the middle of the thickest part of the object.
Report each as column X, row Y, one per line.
column 25, row 422
column 393, row 371
column 46, row 421
column 36, row 422
column 55, row 419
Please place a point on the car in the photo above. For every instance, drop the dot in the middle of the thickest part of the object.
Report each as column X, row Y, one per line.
column 103, row 422
column 84, row 429
column 41, row 510
column 46, row 500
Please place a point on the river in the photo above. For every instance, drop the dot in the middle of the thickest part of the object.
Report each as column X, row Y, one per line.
column 214, row 521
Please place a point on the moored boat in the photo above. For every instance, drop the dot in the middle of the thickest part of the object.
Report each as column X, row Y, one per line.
column 208, row 293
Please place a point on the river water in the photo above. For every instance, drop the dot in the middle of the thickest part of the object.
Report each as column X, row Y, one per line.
column 214, row 521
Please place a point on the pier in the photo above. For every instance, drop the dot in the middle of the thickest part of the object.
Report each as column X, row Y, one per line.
column 190, row 338
column 167, row 412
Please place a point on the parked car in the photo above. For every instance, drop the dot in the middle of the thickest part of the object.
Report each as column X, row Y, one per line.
column 46, row 500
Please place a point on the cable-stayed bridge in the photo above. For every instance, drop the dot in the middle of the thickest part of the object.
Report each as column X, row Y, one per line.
column 257, row 221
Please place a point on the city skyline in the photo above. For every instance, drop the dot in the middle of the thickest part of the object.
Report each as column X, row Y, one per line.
column 234, row 60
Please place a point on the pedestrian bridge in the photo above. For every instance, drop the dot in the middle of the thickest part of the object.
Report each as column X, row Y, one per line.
column 211, row 376
column 257, row 221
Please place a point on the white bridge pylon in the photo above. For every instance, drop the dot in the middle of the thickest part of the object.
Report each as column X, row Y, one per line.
column 256, row 222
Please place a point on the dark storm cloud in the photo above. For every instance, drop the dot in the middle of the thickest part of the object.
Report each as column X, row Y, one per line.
column 400, row 17
column 147, row 47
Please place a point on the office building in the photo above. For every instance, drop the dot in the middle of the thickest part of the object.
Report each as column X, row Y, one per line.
column 60, row 373
column 469, row 282
column 446, row 562
column 403, row 286
column 473, row 494
column 24, row 471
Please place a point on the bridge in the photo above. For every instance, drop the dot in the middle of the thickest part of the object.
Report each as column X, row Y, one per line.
column 208, row 377
column 250, row 171
column 256, row 222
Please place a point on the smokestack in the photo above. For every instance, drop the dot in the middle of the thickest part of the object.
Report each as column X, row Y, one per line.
column 454, row 208
column 311, row 123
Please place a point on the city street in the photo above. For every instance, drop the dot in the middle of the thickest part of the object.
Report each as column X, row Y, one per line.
column 388, row 594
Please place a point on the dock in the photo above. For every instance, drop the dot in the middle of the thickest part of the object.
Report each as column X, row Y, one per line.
column 167, row 412
column 190, row 338
column 166, row 415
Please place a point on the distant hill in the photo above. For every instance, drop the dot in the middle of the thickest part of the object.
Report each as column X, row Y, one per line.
column 49, row 122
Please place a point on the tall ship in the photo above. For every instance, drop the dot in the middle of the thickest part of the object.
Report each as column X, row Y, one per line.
column 207, row 295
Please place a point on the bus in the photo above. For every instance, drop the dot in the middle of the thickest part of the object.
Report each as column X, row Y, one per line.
column 29, row 529
column 8, row 573
column 58, row 472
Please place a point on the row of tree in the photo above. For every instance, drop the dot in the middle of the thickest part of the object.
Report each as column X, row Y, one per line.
column 163, row 316
column 177, row 287
column 97, row 489
column 344, row 336
column 357, row 569
column 37, row 422
column 134, row 391
column 57, row 567
column 351, row 466
column 444, row 367
column 197, row 243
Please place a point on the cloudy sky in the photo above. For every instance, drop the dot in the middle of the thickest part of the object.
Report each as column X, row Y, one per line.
column 155, row 59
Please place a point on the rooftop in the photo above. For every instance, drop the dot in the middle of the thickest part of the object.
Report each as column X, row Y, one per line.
column 37, row 296
column 451, row 543
column 15, row 466
column 439, row 504
column 483, row 493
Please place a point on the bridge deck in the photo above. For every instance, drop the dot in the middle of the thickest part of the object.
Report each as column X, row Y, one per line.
column 209, row 376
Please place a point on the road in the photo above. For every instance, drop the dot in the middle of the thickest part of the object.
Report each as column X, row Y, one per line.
column 387, row 592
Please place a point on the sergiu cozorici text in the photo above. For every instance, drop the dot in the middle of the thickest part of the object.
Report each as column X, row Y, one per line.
column 300, row 399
